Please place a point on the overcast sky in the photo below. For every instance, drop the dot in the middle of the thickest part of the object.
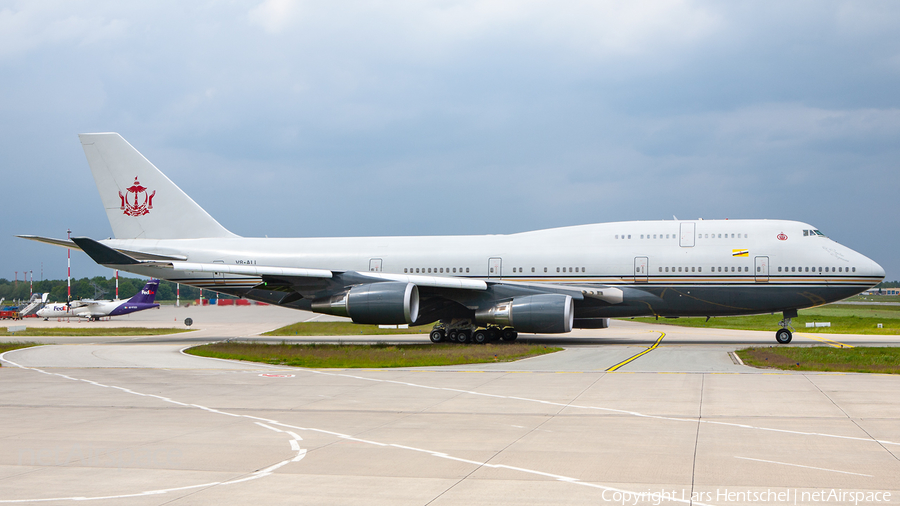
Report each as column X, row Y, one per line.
column 334, row 118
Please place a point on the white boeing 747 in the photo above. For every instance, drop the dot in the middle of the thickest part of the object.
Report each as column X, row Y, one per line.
column 475, row 287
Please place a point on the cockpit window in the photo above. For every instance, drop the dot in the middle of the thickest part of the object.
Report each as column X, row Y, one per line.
column 812, row 233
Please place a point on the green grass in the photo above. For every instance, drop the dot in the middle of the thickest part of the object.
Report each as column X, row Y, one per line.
column 874, row 298
column 844, row 318
column 824, row 358
column 340, row 329
column 79, row 332
column 369, row 356
column 15, row 345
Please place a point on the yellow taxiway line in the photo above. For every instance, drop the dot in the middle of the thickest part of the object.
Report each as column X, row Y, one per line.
column 648, row 350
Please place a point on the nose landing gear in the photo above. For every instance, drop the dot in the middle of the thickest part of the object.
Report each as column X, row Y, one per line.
column 784, row 336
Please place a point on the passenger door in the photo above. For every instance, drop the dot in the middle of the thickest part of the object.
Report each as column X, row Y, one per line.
column 762, row 269
column 494, row 267
column 641, row 271
column 686, row 239
column 219, row 276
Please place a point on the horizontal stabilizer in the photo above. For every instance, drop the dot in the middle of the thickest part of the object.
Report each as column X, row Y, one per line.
column 103, row 255
column 137, row 255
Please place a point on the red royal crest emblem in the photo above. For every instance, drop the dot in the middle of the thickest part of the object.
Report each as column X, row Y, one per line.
column 781, row 237
column 136, row 202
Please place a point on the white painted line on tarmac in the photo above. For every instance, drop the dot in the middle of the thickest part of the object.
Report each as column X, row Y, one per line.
column 807, row 467
column 302, row 453
column 609, row 410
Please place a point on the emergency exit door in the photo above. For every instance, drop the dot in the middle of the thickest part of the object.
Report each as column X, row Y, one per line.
column 375, row 265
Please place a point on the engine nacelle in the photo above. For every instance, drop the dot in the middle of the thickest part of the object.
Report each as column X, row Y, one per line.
column 385, row 303
column 548, row 313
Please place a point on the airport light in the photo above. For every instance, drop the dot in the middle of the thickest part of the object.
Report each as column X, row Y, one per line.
column 68, row 269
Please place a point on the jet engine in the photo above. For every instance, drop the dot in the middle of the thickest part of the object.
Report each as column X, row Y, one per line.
column 547, row 313
column 373, row 303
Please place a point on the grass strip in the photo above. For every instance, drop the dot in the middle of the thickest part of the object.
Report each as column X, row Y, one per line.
column 78, row 332
column 885, row 360
column 340, row 329
column 15, row 345
column 839, row 324
column 370, row 356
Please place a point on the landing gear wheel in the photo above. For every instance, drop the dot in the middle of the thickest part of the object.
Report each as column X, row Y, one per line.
column 479, row 337
column 783, row 336
column 437, row 336
column 509, row 335
column 453, row 335
column 462, row 337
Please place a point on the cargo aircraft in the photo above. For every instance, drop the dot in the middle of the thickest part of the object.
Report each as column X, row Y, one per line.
column 96, row 309
column 476, row 288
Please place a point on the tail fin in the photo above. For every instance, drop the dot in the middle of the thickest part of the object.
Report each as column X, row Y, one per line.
column 147, row 294
column 140, row 201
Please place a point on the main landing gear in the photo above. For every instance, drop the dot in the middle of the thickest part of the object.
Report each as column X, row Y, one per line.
column 464, row 331
column 784, row 336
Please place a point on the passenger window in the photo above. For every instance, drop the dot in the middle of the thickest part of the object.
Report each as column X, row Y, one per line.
column 532, row 269
column 758, row 269
column 467, row 269
column 557, row 269
column 720, row 269
column 820, row 269
column 779, row 269
column 545, row 269
column 699, row 269
column 679, row 269
column 404, row 270
column 629, row 236
column 692, row 269
column 854, row 269
column 667, row 269
column 840, row 269
column 660, row 269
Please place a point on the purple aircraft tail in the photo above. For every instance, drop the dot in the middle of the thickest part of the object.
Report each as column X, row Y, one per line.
column 147, row 294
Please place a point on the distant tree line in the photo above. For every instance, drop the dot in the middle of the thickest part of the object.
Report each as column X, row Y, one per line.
column 888, row 284
column 95, row 288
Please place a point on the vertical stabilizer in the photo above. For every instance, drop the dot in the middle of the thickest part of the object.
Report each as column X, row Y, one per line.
column 140, row 201
column 147, row 294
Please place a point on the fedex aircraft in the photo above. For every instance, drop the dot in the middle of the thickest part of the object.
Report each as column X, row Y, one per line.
column 475, row 287
column 96, row 309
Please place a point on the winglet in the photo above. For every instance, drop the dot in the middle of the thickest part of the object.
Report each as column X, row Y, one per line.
column 103, row 255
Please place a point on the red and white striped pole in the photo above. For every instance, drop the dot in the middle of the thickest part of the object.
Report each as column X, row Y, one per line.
column 117, row 284
column 177, row 294
column 31, row 287
column 68, row 269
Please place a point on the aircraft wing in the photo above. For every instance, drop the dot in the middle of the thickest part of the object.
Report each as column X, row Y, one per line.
column 296, row 276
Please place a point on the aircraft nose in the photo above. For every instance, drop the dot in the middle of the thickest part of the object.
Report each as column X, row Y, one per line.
column 877, row 270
